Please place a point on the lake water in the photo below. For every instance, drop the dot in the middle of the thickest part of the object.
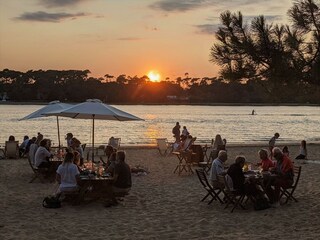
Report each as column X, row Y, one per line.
column 235, row 123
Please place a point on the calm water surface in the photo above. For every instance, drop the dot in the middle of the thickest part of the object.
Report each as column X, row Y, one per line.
column 235, row 123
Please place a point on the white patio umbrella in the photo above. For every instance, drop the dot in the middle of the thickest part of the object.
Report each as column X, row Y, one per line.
column 95, row 109
column 52, row 106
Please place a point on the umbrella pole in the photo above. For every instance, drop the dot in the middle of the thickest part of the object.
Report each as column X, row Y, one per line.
column 58, row 132
column 92, row 138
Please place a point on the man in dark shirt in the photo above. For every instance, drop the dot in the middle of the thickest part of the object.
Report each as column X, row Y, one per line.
column 176, row 132
column 122, row 174
column 121, row 179
column 238, row 179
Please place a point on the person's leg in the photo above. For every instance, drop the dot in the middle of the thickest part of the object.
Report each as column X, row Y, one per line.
column 301, row 156
column 280, row 183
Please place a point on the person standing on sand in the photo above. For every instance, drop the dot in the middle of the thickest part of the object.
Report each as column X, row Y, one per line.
column 272, row 143
column 176, row 132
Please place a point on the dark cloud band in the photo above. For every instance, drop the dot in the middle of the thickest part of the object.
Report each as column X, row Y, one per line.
column 59, row 3
column 48, row 17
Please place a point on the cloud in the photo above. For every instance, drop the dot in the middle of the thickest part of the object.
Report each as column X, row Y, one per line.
column 129, row 39
column 189, row 5
column 211, row 28
column 178, row 5
column 48, row 17
column 59, row 3
column 207, row 28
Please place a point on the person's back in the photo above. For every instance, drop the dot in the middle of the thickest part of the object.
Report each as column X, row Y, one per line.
column 123, row 171
column 32, row 151
column 42, row 155
column 67, row 174
column 217, row 167
column 236, row 173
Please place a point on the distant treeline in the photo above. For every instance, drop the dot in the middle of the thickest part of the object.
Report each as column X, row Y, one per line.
column 77, row 86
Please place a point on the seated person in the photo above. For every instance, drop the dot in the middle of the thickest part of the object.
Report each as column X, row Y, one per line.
column 122, row 179
column 42, row 155
column 240, row 183
column 218, row 145
column 76, row 146
column 184, row 145
column 33, row 148
column 284, row 176
column 266, row 163
column 30, row 142
column 69, row 139
column 303, row 150
column 285, row 151
column 67, row 174
column 217, row 168
column 111, row 163
column 76, row 159
column 113, row 142
column 23, row 146
column 109, row 150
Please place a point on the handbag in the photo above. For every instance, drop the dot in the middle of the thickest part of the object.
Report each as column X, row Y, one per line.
column 261, row 204
column 51, row 202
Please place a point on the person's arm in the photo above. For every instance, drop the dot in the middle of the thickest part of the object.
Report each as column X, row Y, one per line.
column 58, row 178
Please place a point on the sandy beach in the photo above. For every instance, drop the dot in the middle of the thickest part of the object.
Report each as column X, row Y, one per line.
column 161, row 205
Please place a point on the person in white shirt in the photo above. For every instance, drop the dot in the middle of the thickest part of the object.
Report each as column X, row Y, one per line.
column 42, row 155
column 33, row 148
column 67, row 174
column 185, row 131
column 217, row 168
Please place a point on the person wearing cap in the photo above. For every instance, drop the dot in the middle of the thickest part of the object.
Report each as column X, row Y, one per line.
column 69, row 139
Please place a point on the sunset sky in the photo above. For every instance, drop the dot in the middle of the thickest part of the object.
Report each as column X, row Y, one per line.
column 117, row 37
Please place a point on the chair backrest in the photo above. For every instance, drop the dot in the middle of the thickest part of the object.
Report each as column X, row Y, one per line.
column 12, row 149
column 114, row 142
column 83, row 146
column 31, row 165
column 162, row 143
column 203, row 178
column 297, row 173
column 187, row 143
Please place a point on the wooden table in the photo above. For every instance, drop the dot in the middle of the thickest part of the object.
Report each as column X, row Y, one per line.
column 185, row 162
column 94, row 187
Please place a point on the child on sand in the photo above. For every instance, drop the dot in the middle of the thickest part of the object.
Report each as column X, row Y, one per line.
column 303, row 150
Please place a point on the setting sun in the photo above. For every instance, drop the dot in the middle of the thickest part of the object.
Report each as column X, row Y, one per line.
column 154, row 76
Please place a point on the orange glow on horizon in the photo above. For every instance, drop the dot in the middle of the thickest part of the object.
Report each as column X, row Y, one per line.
column 154, row 76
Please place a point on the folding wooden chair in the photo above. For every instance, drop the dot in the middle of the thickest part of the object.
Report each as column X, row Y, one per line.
column 211, row 191
column 12, row 149
column 114, row 142
column 288, row 192
column 36, row 173
column 232, row 196
column 164, row 147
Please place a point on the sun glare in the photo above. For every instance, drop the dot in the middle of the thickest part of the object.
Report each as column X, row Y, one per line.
column 154, row 76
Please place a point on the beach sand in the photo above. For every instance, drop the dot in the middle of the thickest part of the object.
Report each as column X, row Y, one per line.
column 161, row 205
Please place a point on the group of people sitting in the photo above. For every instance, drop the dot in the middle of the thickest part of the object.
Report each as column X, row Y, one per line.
column 68, row 174
column 282, row 170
